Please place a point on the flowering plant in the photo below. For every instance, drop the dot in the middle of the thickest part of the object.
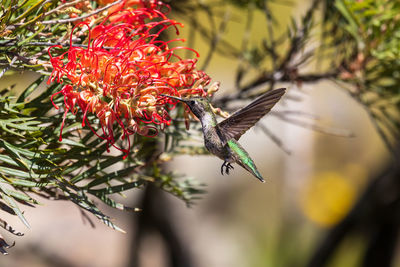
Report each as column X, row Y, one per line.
column 110, row 61
column 105, row 64
column 122, row 72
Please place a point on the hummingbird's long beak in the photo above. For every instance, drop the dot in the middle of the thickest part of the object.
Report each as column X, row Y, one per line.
column 174, row 97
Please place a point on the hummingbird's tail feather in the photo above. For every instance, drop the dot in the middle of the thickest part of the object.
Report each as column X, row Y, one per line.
column 253, row 170
column 241, row 157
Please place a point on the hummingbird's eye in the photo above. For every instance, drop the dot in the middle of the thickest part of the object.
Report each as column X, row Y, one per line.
column 192, row 102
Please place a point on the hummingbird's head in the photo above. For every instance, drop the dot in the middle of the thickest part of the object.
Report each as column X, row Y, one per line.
column 198, row 105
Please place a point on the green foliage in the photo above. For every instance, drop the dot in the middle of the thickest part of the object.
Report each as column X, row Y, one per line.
column 20, row 32
column 81, row 168
column 77, row 168
column 374, row 29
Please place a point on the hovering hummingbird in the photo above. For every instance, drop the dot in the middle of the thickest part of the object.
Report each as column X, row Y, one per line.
column 221, row 139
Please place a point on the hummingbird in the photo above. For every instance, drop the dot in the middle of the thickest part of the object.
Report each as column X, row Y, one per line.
column 221, row 139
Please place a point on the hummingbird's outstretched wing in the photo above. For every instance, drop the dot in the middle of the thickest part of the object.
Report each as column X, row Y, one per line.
column 239, row 122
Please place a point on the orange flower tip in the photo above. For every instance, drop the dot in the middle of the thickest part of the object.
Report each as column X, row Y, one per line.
column 60, row 138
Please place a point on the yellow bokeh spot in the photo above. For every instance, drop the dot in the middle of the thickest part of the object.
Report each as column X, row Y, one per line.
column 327, row 198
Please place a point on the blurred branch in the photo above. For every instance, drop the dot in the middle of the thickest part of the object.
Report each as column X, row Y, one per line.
column 271, row 78
column 375, row 217
column 313, row 126
column 9, row 228
column 278, row 141
column 4, row 246
column 215, row 33
column 156, row 218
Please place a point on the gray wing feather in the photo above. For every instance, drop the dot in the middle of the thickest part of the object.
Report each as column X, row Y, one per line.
column 239, row 122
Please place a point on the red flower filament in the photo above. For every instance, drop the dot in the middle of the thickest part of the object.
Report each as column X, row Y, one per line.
column 122, row 71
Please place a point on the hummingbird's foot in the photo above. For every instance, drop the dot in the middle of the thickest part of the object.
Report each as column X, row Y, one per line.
column 227, row 166
column 222, row 167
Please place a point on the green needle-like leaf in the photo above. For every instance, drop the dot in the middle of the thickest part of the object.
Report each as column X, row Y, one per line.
column 13, row 205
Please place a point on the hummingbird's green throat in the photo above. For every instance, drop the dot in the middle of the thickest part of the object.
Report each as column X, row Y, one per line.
column 221, row 138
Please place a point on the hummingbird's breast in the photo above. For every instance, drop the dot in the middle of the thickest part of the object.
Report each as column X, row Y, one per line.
column 214, row 143
column 214, row 140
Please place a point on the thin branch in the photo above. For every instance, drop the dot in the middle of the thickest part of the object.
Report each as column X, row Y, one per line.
column 8, row 67
column 60, row 21
column 279, row 77
column 62, row 7
column 9, row 228
column 315, row 127
column 300, row 35
column 216, row 35
column 274, row 138
column 4, row 246
column 225, row 48
column 245, row 41
column 299, row 113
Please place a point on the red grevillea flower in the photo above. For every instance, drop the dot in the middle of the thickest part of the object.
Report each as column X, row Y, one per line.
column 122, row 71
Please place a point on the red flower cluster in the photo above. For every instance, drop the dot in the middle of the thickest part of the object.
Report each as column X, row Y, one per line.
column 123, row 70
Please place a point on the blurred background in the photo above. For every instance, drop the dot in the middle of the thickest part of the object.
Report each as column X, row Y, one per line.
column 314, row 179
